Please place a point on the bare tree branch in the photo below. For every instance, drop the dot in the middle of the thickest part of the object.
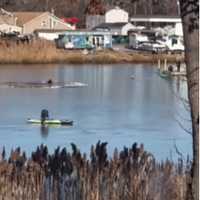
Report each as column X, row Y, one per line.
column 181, row 125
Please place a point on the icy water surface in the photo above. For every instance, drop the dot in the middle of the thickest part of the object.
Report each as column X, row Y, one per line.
column 113, row 107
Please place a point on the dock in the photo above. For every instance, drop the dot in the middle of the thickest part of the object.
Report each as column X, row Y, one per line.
column 175, row 69
column 183, row 73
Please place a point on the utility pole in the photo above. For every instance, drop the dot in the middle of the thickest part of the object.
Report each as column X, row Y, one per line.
column 178, row 8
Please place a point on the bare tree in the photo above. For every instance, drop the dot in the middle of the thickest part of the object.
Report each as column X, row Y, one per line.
column 190, row 14
column 95, row 7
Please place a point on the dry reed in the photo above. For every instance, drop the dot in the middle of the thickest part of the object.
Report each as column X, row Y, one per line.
column 131, row 174
column 44, row 52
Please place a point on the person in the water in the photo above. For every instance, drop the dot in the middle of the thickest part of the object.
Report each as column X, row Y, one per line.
column 50, row 82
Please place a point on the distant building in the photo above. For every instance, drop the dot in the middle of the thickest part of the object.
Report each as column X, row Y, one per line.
column 49, row 34
column 179, row 29
column 8, row 22
column 135, row 39
column 94, row 20
column 84, row 40
column 150, row 33
column 116, row 15
column 137, row 36
column 174, row 43
column 7, row 17
column 116, row 29
column 159, row 21
column 95, row 12
column 30, row 21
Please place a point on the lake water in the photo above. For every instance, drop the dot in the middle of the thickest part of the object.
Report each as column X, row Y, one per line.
column 112, row 108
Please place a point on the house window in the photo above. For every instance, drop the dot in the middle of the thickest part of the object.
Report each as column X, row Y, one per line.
column 98, row 41
column 43, row 23
column 93, row 41
column 174, row 41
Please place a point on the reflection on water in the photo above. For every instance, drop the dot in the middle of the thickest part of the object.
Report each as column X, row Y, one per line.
column 113, row 108
column 44, row 130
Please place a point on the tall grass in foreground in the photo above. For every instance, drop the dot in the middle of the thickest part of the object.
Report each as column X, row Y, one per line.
column 44, row 52
column 131, row 174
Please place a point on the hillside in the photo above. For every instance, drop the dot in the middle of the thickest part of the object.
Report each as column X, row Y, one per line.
column 78, row 8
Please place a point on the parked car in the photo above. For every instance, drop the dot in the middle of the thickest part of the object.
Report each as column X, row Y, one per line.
column 152, row 46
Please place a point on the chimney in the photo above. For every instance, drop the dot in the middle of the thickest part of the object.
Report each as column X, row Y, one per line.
column 52, row 11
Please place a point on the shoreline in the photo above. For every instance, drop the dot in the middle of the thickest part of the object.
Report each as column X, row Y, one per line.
column 42, row 52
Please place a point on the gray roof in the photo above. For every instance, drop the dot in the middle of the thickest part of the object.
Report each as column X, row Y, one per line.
column 156, row 16
column 72, row 32
column 110, row 25
column 142, row 30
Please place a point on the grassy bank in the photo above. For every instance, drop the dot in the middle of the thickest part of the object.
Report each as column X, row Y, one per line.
column 42, row 52
column 130, row 174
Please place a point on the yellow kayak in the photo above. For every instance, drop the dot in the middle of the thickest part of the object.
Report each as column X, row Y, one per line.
column 51, row 121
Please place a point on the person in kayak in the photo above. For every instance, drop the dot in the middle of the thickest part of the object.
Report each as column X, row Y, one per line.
column 44, row 115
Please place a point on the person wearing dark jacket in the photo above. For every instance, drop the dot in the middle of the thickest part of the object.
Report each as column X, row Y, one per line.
column 44, row 115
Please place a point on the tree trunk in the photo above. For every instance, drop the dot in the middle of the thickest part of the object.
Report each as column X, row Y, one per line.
column 191, row 33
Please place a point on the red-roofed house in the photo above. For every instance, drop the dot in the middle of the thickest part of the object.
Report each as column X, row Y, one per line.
column 72, row 20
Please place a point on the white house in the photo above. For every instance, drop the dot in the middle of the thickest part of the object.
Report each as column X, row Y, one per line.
column 161, row 21
column 116, row 15
column 116, row 29
column 179, row 29
column 112, row 16
column 7, row 28
column 48, row 34
column 136, row 38
column 174, row 43
column 127, row 27
column 8, row 22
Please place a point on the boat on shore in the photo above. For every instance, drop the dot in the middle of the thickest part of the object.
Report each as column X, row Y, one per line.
column 50, row 122
column 164, row 74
